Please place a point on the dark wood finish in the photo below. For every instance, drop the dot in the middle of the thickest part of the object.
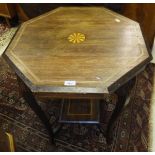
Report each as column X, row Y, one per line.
column 80, row 111
column 143, row 13
column 22, row 16
column 30, row 99
column 13, row 13
column 45, row 53
column 122, row 94
column 112, row 50
column 7, row 10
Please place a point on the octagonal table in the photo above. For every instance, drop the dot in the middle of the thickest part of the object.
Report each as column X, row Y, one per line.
column 77, row 53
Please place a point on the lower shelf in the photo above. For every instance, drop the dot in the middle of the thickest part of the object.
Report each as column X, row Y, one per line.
column 80, row 111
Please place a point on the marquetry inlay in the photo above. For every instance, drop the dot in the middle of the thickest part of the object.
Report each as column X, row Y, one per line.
column 76, row 38
column 79, row 50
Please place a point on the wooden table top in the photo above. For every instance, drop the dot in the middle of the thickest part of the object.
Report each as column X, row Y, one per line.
column 77, row 50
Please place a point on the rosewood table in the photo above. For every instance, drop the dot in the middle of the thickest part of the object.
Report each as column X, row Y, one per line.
column 79, row 54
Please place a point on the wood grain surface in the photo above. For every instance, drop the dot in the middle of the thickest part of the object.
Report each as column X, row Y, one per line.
column 80, row 111
column 112, row 52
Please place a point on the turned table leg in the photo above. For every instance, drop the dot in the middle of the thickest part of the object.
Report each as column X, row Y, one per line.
column 122, row 94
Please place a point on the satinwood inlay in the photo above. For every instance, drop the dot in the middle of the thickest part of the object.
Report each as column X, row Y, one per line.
column 79, row 44
column 76, row 38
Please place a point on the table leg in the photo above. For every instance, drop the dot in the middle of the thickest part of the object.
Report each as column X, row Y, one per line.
column 122, row 94
column 30, row 99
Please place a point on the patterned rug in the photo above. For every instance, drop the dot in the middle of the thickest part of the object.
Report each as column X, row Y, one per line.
column 130, row 130
column 5, row 36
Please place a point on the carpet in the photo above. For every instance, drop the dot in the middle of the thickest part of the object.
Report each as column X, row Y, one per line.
column 130, row 130
column 5, row 36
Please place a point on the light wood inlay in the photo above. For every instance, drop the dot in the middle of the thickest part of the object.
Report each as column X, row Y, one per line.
column 113, row 50
column 76, row 38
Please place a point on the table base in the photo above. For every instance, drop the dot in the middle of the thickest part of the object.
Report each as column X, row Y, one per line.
column 122, row 94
